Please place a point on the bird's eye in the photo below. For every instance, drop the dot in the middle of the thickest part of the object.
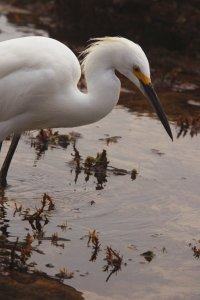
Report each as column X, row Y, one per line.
column 136, row 69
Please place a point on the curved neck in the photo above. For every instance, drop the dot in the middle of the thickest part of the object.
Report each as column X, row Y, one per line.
column 103, row 89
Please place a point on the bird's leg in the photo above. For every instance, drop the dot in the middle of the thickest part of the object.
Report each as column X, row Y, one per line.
column 0, row 146
column 7, row 161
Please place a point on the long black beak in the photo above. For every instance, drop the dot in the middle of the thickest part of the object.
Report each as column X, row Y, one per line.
column 155, row 102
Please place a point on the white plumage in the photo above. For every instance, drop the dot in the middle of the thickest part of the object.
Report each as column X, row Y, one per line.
column 38, row 85
column 39, row 77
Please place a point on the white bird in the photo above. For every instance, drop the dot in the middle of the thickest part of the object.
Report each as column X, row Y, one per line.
column 38, row 85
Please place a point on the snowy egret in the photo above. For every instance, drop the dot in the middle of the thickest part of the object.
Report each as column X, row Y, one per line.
column 38, row 85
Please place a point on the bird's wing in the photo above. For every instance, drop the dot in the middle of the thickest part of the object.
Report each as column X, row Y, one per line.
column 31, row 69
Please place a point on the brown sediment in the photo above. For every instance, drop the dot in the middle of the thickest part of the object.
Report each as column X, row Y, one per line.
column 25, row 286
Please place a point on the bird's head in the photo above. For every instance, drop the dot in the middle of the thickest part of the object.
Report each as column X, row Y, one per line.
column 131, row 61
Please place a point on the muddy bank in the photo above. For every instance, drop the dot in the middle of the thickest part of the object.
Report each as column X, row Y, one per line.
column 172, row 25
column 24, row 286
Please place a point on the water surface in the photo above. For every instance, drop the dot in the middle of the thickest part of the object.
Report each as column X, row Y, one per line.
column 158, row 212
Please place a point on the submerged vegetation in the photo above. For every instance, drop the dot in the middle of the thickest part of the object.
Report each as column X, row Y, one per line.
column 195, row 248
column 39, row 219
column 16, row 255
column 188, row 125
column 148, row 255
column 114, row 260
column 92, row 166
column 98, row 167
column 94, row 239
column 46, row 138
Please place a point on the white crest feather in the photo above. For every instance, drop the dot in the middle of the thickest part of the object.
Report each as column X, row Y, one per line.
column 96, row 42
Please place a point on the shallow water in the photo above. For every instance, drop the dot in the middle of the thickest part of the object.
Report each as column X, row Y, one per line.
column 159, row 211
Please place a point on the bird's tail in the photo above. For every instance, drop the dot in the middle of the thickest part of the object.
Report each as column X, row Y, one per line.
column 0, row 146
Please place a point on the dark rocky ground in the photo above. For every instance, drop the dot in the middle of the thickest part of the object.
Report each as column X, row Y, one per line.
column 172, row 25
